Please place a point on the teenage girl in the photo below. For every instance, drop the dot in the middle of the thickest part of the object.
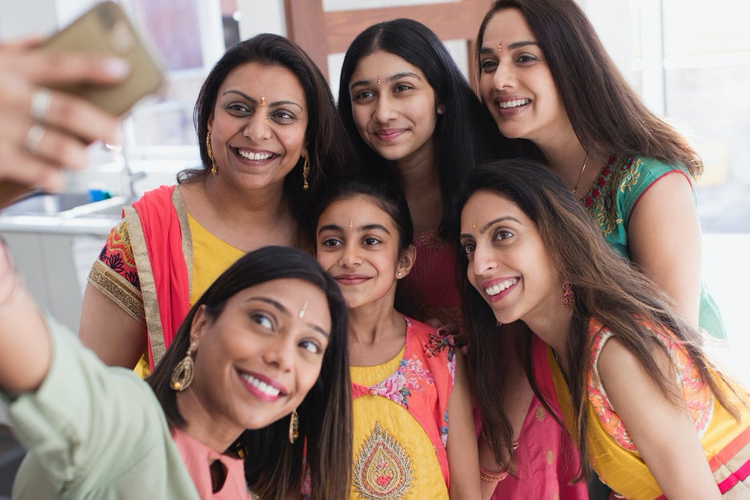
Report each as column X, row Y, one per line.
column 408, row 383
column 410, row 112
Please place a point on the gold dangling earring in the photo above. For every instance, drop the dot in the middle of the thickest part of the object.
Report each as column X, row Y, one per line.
column 210, row 152
column 182, row 375
column 305, row 170
column 293, row 426
column 569, row 296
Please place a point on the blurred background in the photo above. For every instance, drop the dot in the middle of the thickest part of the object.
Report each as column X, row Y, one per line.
column 689, row 60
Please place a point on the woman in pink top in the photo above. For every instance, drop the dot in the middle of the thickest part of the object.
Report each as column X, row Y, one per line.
column 266, row 340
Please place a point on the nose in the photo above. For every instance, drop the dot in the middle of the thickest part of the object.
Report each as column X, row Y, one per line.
column 280, row 353
column 384, row 111
column 257, row 128
column 483, row 260
column 504, row 76
column 350, row 256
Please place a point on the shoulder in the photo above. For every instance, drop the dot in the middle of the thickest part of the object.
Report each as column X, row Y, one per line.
column 431, row 342
column 158, row 196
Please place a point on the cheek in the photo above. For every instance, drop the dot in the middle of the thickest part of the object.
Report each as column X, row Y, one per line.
column 325, row 259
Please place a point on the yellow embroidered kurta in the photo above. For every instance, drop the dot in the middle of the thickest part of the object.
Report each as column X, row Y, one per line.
column 395, row 455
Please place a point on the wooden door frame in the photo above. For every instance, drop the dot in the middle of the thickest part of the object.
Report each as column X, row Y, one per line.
column 321, row 33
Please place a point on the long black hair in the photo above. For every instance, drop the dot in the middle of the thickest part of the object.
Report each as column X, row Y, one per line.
column 274, row 467
column 465, row 134
column 604, row 110
column 607, row 288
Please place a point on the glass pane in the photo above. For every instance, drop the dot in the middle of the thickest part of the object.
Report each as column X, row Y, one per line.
column 692, row 27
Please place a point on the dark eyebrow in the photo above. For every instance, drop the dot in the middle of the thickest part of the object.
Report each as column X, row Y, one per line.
column 397, row 76
column 285, row 311
column 255, row 102
column 368, row 227
column 491, row 223
column 514, row 45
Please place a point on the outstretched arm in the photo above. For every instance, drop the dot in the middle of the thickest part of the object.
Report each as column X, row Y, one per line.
column 25, row 347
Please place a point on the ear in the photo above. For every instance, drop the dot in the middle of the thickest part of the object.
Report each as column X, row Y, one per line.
column 406, row 261
column 210, row 123
column 199, row 325
column 441, row 109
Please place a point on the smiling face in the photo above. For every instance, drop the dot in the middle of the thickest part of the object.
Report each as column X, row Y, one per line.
column 508, row 263
column 393, row 106
column 257, row 360
column 516, row 84
column 358, row 244
column 258, row 125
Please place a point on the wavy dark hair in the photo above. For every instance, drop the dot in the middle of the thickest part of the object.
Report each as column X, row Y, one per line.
column 607, row 115
column 606, row 286
column 274, row 467
column 331, row 154
column 464, row 135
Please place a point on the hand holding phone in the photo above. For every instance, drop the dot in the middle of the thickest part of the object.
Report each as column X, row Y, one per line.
column 106, row 30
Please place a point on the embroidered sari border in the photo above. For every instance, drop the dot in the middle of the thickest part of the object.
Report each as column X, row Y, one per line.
column 148, row 284
column 187, row 237
column 117, row 289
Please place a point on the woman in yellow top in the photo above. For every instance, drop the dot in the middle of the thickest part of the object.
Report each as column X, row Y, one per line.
column 610, row 356
column 266, row 124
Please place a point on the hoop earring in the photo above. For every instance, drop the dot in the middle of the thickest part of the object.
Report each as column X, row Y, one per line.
column 293, row 426
column 182, row 375
column 305, row 170
column 210, row 152
column 569, row 296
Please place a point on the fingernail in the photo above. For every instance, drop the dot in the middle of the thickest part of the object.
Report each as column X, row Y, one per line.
column 116, row 67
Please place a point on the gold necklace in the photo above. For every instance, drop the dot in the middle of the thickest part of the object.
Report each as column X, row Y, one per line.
column 578, row 182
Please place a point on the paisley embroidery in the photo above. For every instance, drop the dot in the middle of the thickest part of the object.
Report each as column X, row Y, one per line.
column 383, row 469
column 620, row 173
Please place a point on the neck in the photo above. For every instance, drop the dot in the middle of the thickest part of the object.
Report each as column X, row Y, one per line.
column 551, row 322
column 420, row 181
column 374, row 321
column 203, row 425
column 230, row 200
column 566, row 156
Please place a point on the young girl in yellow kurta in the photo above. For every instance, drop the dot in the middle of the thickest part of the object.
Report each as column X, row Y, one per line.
column 409, row 385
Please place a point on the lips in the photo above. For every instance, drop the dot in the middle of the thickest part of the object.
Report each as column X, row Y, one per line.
column 261, row 386
column 257, row 156
column 390, row 134
column 351, row 279
column 510, row 105
column 497, row 289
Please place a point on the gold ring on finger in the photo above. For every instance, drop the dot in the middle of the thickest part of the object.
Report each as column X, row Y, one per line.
column 41, row 100
column 34, row 138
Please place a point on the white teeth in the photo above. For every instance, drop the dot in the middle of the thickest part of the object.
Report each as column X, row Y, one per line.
column 261, row 386
column 255, row 156
column 513, row 104
column 495, row 289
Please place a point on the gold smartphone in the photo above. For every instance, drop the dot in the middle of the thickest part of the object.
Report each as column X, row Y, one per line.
column 105, row 29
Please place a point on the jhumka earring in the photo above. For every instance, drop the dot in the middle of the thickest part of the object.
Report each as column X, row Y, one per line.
column 182, row 375
column 305, row 170
column 293, row 426
column 210, row 152
column 569, row 296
